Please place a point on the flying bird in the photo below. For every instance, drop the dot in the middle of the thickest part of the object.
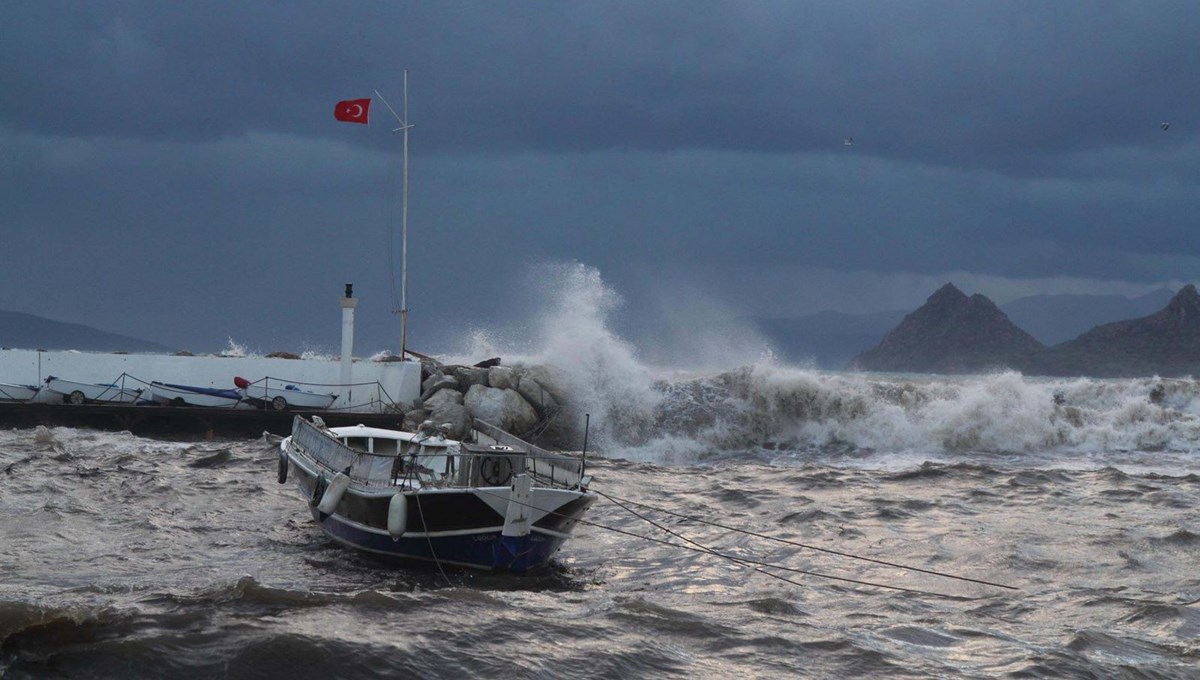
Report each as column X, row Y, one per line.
column 849, row 141
column 1164, row 126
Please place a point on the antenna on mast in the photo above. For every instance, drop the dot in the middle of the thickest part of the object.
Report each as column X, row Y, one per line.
column 404, row 127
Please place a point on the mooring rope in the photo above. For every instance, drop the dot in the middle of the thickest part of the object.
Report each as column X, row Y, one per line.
column 700, row 548
column 429, row 540
column 758, row 565
column 425, row 527
column 803, row 545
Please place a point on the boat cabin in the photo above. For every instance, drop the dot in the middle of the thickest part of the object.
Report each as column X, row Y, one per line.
column 397, row 455
column 381, row 458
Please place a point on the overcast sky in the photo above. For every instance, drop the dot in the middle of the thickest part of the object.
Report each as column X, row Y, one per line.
column 173, row 171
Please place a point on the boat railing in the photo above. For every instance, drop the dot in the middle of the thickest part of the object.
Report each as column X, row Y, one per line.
column 451, row 465
column 546, row 468
column 331, row 453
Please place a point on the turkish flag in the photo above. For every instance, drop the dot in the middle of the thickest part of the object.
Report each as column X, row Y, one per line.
column 352, row 110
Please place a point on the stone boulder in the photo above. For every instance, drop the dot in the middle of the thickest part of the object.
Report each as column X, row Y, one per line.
column 435, row 384
column 441, row 398
column 502, row 377
column 469, row 375
column 505, row 409
column 413, row 419
column 538, row 396
column 430, row 367
column 453, row 415
column 548, row 378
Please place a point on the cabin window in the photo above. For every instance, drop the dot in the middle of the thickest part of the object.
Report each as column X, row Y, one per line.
column 385, row 447
column 358, row 443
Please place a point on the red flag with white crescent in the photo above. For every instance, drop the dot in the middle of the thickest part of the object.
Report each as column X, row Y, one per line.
column 352, row 110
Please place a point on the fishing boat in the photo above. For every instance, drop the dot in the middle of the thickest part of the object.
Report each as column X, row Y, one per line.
column 186, row 395
column 495, row 503
column 85, row 393
column 11, row 392
column 499, row 504
column 280, row 396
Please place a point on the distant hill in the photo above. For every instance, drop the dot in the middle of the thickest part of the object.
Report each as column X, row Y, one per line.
column 1053, row 319
column 952, row 333
column 26, row 331
column 1166, row 343
column 831, row 339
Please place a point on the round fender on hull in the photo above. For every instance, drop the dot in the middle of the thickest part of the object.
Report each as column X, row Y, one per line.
column 283, row 466
column 333, row 495
column 398, row 515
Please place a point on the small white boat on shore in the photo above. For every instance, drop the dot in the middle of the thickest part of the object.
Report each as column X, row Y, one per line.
column 84, row 393
column 186, row 395
column 281, row 396
column 11, row 392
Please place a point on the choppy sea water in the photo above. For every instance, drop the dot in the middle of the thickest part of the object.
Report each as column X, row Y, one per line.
column 123, row 556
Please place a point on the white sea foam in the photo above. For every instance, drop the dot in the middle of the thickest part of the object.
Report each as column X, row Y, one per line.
column 235, row 350
column 655, row 413
column 318, row 355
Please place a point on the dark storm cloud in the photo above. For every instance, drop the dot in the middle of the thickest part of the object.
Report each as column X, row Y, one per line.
column 1008, row 85
column 186, row 142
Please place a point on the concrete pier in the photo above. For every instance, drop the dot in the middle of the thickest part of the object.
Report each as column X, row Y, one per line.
column 178, row 422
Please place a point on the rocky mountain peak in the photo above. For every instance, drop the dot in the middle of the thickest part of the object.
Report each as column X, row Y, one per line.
column 947, row 295
column 951, row 333
column 1184, row 308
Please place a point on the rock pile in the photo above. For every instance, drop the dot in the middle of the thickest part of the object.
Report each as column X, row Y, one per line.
column 523, row 400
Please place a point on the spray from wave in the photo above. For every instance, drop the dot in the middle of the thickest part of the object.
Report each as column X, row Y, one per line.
column 594, row 369
column 683, row 414
column 235, row 349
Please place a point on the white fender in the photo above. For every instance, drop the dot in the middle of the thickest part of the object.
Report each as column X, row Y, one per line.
column 398, row 515
column 333, row 495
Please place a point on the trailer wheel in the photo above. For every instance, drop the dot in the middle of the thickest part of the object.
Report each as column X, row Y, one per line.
column 75, row 397
column 279, row 404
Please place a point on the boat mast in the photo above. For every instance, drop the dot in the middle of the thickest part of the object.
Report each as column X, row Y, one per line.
column 404, row 231
column 404, row 126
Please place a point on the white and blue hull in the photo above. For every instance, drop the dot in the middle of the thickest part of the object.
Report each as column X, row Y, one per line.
column 420, row 497
column 484, row 549
column 184, row 395
column 453, row 527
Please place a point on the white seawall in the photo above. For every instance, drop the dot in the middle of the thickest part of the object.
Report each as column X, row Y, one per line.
column 374, row 385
